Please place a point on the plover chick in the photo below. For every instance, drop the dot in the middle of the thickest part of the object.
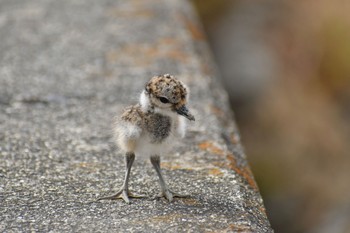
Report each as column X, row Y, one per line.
column 150, row 127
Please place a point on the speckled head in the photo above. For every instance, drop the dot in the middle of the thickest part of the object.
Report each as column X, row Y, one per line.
column 167, row 92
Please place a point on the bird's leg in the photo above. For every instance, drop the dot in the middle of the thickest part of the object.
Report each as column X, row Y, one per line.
column 124, row 190
column 165, row 190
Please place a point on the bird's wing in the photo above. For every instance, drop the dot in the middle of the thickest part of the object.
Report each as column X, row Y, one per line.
column 128, row 128
column 131, row 121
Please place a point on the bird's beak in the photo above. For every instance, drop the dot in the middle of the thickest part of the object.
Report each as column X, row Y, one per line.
column 183, row 111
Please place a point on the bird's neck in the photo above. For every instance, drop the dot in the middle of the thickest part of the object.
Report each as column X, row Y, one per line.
column 145, row 102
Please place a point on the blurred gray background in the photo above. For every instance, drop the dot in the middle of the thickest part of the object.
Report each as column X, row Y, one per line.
column 286, row 66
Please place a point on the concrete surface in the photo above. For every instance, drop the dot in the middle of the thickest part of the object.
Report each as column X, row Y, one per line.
column 66, row 69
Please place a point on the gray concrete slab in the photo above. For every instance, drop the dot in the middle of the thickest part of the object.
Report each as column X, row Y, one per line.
column 66, row 69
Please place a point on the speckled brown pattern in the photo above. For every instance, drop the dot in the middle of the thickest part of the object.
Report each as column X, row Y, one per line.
column 167, row 86
column 134, row 115
column 156, row 125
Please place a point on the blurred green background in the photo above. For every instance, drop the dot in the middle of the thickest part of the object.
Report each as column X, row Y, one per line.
column 286, row 65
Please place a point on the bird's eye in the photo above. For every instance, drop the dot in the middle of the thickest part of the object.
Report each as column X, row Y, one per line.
column 163, row 100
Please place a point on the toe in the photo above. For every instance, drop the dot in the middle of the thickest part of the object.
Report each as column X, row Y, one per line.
column 168, row 195
column 125, row 197
column 135, row 195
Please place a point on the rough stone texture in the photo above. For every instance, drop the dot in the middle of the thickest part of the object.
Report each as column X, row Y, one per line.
column 66, row 68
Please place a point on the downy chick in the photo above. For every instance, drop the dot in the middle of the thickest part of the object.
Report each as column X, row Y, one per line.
column 150, row 127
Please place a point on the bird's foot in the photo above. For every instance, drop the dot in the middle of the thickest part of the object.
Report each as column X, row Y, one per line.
column 169, row 194
column 122, row 194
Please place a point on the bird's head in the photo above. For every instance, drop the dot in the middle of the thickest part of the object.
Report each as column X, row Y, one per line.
column 167, row 94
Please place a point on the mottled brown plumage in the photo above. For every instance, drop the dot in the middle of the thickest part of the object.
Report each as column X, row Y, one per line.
column 156, row 125
column 149, row 128
column 169, row 87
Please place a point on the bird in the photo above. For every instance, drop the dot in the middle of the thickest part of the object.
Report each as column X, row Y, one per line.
column 150, row 127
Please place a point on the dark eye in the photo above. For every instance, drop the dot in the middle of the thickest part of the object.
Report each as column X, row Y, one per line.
column 163, row 100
